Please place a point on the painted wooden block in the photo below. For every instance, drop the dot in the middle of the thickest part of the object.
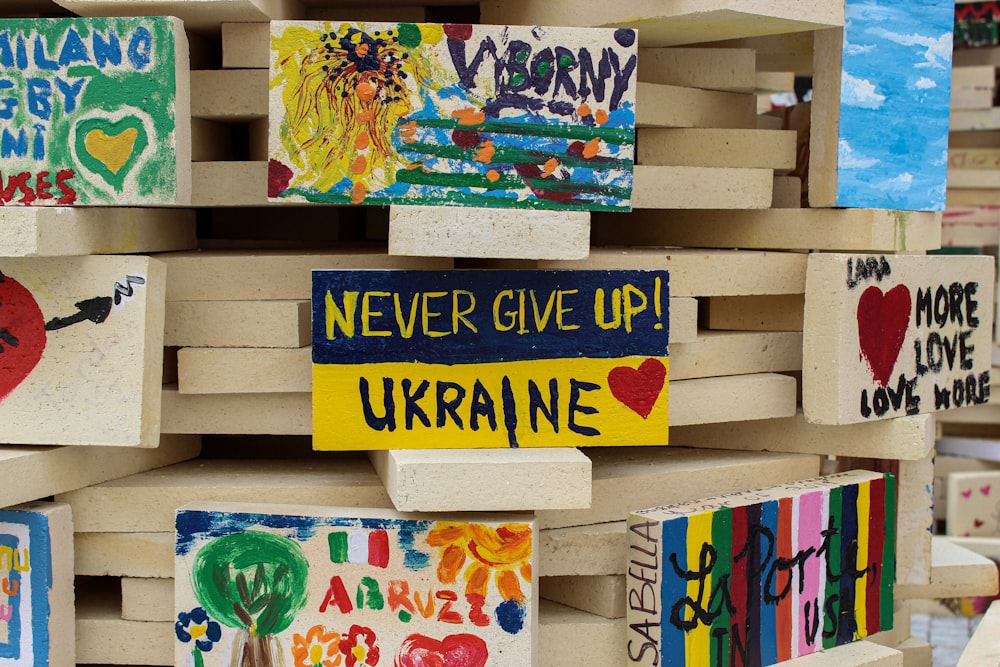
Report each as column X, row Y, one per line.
column 459, row 114
column 909, row 438
column 515, row 358
column 92, row 326
column 674, row 24
column 947, row 462
column 95, row 111
column 779, row 312
column 973, row 507
column 973, row 87
column 887, row 71
column 862, row 230
column 51, row 232
column 271, row 323
column 451, row 480
column 774, row 574
column 955, row 572
column 696, row 272
column 695, row 147
column 438, row 231
column 976, row 24
column 36, row 565
column 146, row 502
column 278, row 583
column 245, row 275
column 892, row 336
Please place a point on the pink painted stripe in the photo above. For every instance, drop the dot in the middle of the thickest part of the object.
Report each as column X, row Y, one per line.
column 810, row 536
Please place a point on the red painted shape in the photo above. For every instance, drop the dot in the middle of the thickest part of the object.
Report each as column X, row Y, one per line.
column 22, row 334
column 638, row 389
column 278, row 178
column 458, row 32
column 465, row 138
column 462, row 650
column 978, row 523
column 378, row 548
column 882, row 323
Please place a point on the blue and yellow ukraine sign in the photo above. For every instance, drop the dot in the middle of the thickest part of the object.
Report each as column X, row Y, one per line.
column 464, row 359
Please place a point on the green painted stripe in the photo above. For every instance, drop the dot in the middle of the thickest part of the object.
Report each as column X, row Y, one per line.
column 888, row 555
column 722, row 540
column 612, row 135
column 511, row 155
column 338, row 547
column 833, row 564
column 420, row 177
column 458, row 198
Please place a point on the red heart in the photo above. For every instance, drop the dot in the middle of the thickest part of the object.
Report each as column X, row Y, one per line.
column 882, row 323
column 985, row 490
column 967, row 494
column 22, row 334
column 977, row 523
column 462, row 650
column 638, row 389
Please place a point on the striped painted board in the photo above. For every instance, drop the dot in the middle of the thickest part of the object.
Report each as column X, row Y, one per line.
column 763, row 576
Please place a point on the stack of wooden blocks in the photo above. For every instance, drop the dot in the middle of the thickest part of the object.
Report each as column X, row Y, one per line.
column 163, row 346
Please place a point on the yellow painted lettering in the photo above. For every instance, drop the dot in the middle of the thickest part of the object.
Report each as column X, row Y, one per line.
column 510, row 314
column 428, row 314
column 335, row 317
column 367, row 314
column 457, row 314
column 406, row 326
column 560, row 311
column 616, row 309
column 632, row 308
column 542, row 319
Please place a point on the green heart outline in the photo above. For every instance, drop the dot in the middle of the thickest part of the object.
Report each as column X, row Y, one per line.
column 111, row 129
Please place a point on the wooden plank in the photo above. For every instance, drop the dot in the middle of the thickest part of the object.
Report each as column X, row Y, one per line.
column 973, row 197
column 793, row 229
column 601, row 594
column 736, row 353
column 699, row 188
column 92, row 326
column 147, row 599
column 788, row 52
column 351, row 545
column 632, row 478
column 778, row 312
column 695, row 272
column 546, row 159
column 45, row 471
column 133, row 554
column 973, row 87
column 201, row 16
column 103, row 637
column 974, row 139
column 723, row 399
column 982, row 648
column 572, row 637
column 37, row 565
column 661, row 105
column 879, row 331
column 916, row 653
column 51, row 232
column 104, row 139
column 909, row 438
column 728, row 70
column 963, row 120
column 237, row 324
column 971, row 179
column 230, row 95
column 863, row 152
column 955, row 572
column 787, row 192
column 677, row 23
column 973, row 158
column 769, row 83
column 246, row 45
column 456, row 480
column 233, row 183
column 235, row 275
column 439, row 231
column 693, row 147
column 859, row 503
column 146, row 502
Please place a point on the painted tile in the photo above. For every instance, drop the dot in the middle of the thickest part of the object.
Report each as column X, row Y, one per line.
column 81, row 350
column 886, row 336
column 455, row 114
column 424, row 359
column 894, row 104
column 280, row 584
column 94, row 111
column 973, row 507
column 762, row 576
column 36, row 586
column 977, row 24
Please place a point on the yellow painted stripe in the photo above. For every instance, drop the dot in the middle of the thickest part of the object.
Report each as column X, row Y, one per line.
column 698, row 641
column 864, row 509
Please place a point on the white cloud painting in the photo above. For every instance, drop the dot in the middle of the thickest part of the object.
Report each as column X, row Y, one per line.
column 895, row 95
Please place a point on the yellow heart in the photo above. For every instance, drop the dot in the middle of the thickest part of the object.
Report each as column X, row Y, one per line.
column 196, row 631
column 112, row 152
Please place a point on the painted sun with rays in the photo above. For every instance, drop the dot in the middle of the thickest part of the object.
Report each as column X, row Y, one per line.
column 504, row 551
column 344, row 92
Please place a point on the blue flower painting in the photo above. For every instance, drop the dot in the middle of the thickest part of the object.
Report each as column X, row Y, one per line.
column 895, row 97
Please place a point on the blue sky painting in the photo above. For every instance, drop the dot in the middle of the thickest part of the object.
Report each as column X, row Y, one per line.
column 895, row 97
